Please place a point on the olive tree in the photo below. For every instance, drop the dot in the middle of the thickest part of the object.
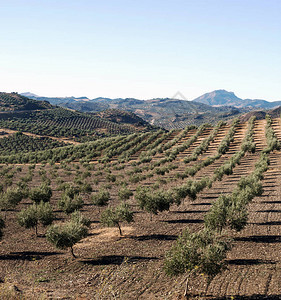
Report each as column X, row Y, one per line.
column 114, row 216
column 37, row 213
column 101, row 198
column 66, row 235
column 196, row 253
column 78, row 217
column 124, row 193
column 69, row 204
column 41, row 193
column 156, row 201
column 11, row 198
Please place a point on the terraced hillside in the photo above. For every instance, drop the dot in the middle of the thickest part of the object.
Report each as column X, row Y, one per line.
column 41, row 118
column 222, row 183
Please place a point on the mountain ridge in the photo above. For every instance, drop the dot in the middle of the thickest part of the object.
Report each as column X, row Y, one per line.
column 215, row 98
column 171, row 113
column 223, row 97
column 164, row 112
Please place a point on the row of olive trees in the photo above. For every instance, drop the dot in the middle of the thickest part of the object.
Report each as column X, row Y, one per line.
column 204, row 145
column 143, row 142
column 87, row 151
column 155, row 167
column 159, row 147
column 157, row 201
column 231, row 210
column 222, row 149
column 205, row 251
column 123, row 145
column 155, row 147
column 171, row 153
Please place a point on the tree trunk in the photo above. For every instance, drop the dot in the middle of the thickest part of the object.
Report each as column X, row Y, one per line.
column 72, row 253
column 186, row 295
column 119, row 229
column 36, row 230
column 207, row 285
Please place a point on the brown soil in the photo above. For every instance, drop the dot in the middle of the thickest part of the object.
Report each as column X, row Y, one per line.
column 131, row 267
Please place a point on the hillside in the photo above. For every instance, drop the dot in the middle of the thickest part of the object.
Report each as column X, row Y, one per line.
column 224, row 179
column 167, row 113
column 261, row 114
column 41, row 118
column 15, row 102
column 121, row 117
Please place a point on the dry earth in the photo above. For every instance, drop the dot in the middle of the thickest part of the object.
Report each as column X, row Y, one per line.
column 131, row 267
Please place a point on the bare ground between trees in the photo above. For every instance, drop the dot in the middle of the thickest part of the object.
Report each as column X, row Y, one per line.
column 131, row 267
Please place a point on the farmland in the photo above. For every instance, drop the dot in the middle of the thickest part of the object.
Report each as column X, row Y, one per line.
column 20, row 113
column 223, row 178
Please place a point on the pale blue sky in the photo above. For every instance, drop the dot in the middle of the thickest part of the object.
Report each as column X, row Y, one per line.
column 142, row 49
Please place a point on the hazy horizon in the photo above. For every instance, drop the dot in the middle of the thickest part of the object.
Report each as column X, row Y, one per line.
column 177, row 97
column 143, row 50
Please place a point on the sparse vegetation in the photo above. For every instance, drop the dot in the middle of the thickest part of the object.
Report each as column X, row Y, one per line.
column 134, row 177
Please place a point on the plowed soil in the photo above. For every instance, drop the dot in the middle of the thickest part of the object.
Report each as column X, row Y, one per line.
column 131, row 267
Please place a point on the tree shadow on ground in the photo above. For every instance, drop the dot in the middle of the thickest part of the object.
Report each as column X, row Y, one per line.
column 208, row 197
column 161, row 237
column 184, row 221
column 202, row 203
column 267, row 223
column 27, row 255
column 270, row 211
column 271, row 202
column 188, row 211
column 249, row 262
column 265, row 195
column 116, row 260
column 252, row 297
column 260, row 239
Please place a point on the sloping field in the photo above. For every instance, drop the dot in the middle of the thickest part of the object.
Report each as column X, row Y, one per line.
column 192, row 168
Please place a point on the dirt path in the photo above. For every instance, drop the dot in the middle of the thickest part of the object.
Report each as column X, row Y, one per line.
column 64, row 140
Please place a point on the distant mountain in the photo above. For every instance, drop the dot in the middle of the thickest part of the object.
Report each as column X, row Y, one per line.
column 218, row 98
column 29, row 95
column 223, row 97
column 165, row 112
column 55, row 100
